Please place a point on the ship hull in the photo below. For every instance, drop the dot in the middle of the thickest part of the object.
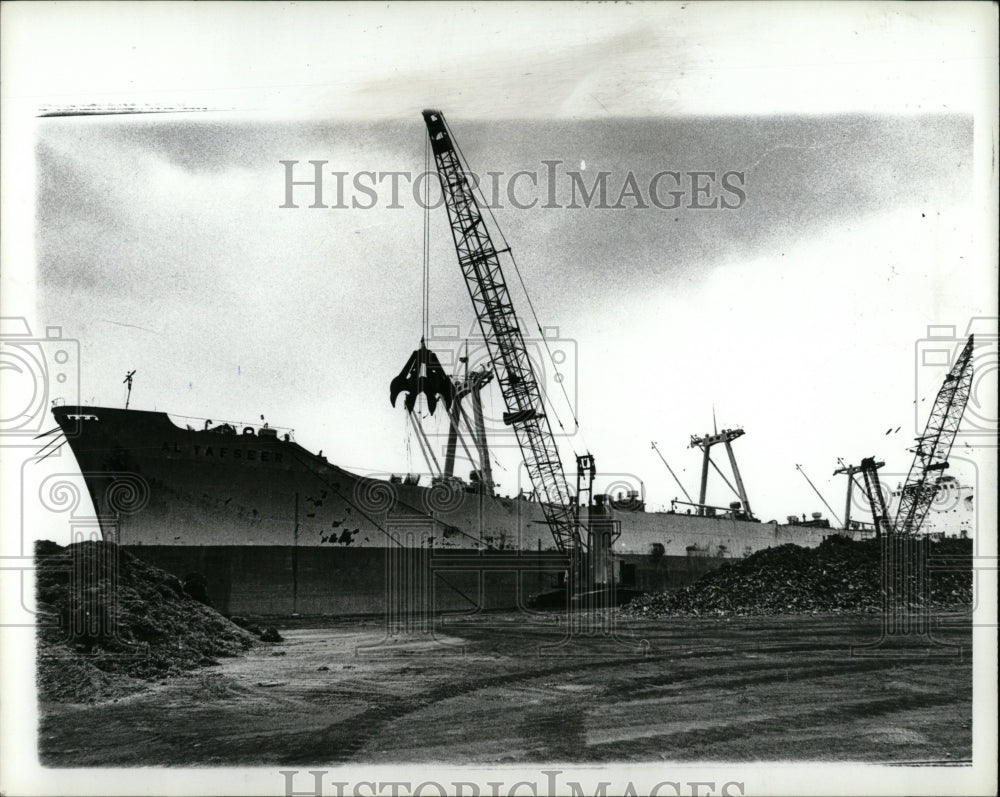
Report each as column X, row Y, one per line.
column 262, row 580
column 273, row 529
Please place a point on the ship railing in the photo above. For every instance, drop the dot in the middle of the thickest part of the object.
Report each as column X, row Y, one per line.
column 236, row 427
column 717, row 512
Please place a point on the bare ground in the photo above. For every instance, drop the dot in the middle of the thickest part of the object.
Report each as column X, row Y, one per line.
column 481, row 690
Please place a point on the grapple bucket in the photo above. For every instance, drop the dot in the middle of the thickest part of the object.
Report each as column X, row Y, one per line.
column 422, row 373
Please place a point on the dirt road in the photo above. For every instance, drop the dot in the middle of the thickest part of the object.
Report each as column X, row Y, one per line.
column 484, row 691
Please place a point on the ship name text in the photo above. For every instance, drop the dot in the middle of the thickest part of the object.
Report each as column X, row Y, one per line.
column 224, row 452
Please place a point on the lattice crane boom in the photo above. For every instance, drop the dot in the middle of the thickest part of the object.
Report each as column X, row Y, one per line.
column 933, row 446
column 479, row 260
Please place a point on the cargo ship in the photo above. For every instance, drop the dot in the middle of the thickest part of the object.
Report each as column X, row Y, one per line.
column 266, row 527
column 270, row 528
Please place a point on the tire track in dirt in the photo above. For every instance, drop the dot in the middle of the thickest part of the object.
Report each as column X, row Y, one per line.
column 700, row 739
column 348, row 737
column 556, row 731
column 756, row 675
column 342, row 741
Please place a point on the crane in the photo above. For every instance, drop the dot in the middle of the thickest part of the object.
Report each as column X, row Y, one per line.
column 479, row 260
column 930, row 455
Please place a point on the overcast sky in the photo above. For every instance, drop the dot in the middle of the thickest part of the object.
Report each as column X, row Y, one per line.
column 159, row 241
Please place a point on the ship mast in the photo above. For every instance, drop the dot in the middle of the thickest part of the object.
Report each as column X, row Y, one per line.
column 470, row 385
column 849, row 470
column 127, row 381
column 705, row 443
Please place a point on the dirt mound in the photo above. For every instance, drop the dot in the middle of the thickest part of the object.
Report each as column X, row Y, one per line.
column 267, row 633
column 109, row 623
column 840, row 575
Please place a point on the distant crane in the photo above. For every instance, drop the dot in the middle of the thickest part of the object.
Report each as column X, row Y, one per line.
column 930, row 455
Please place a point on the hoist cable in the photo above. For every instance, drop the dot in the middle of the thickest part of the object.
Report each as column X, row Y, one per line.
column 544, row 394
column 425, row 319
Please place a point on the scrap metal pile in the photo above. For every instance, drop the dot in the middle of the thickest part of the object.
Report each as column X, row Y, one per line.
column 840, row 576
column 108, row 623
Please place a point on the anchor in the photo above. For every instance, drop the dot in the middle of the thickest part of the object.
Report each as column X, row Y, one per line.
column 422, row 373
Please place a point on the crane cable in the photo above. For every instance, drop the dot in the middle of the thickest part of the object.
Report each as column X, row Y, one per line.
column 425, row 319
column 425, row 291
column 545, row 399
